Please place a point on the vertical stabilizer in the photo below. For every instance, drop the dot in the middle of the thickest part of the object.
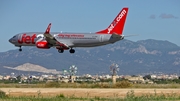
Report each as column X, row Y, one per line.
column 117, row 25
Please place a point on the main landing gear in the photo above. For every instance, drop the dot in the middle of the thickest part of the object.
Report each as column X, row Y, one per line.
column 20, row 49
column 72, row 50
column 62, row 50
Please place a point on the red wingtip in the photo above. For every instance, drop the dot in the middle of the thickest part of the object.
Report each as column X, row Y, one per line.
column 48, row 28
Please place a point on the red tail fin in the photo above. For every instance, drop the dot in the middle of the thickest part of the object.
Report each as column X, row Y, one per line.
column 117, row 25
column 48, row 29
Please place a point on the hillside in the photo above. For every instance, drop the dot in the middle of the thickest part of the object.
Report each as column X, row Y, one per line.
column 133, row 57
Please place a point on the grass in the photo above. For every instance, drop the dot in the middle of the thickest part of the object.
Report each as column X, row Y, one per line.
column 130, row 96
column 162, row 86
column 122, row 84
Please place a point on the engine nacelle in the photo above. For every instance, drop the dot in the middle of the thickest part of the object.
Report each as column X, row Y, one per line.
column 43, row 45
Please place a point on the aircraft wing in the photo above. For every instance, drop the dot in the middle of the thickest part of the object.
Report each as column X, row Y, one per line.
column 64, row 44
column 52, row 40
column 48, row 37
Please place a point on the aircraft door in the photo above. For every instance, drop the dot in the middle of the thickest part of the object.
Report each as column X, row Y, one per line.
column 101, row 38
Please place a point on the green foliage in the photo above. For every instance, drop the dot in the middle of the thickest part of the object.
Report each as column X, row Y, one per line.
column 123, row 84
column 151, row 97
column 106, row 80
column 105, row 85
column 52, row 84
column 176, row 81
column 147, row 77
column 60, row 96
column 130, row 95
column 39, row 93
column 119, row 84
column 2, row 94
column 166, row 81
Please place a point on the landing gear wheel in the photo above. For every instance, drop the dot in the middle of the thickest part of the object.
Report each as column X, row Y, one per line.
column 61, row 50
column 20, row 48
column 72, row 51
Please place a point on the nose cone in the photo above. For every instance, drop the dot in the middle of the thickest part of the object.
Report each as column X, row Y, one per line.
column 10, row 40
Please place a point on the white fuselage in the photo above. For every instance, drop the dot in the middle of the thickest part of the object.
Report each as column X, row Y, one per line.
column 72, row 39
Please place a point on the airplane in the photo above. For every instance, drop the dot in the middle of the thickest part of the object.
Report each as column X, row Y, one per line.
column 67, row 41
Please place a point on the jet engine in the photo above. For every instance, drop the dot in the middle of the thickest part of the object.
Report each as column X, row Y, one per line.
column 43, row 45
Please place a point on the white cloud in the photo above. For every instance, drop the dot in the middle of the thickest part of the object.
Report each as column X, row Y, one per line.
column 152, row 16
column 167, row 16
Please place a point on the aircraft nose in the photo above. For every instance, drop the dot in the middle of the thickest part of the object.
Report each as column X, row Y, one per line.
column 11, row 40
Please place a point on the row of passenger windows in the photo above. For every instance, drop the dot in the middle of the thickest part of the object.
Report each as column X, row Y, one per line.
column 75, row 38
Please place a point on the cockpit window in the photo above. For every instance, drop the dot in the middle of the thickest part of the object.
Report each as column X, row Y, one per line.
column 14, row 36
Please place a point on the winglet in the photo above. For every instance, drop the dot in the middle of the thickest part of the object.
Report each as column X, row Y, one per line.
column 48, row 29
column 117, row 25
column 47, row 34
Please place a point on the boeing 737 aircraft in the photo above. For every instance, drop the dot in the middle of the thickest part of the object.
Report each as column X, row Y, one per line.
column 68, row 41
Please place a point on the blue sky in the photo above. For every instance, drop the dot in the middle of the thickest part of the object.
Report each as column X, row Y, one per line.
column 151, row 19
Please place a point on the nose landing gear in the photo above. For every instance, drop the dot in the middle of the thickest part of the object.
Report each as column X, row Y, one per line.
column 20, row 49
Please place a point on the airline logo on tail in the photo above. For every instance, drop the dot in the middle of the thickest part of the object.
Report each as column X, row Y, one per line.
column 114, row 23
column 117, row 25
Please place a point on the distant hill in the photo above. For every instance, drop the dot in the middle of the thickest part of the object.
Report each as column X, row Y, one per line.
column 133, row 58
column 33, row 68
